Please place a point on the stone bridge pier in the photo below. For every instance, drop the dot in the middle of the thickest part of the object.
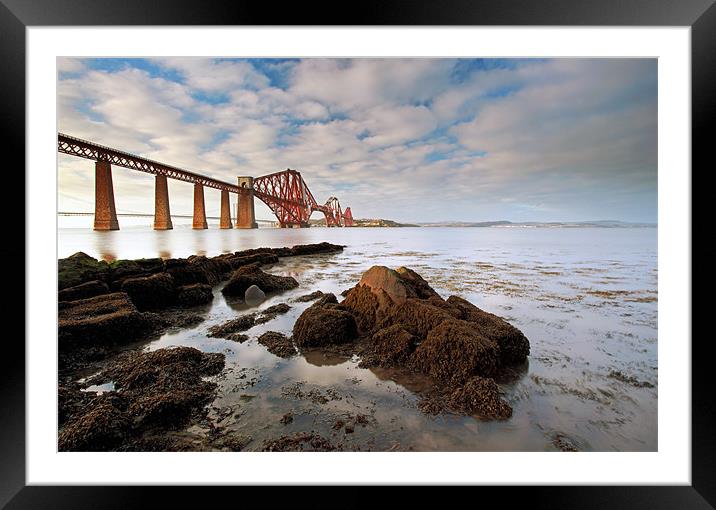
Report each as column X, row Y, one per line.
column 246, row 215
column 162, row 215
column 105, row 214
column 225, row 220
column 199, row 221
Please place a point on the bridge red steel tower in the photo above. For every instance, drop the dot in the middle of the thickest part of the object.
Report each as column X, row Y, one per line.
column 348, row 217
column 285, row 193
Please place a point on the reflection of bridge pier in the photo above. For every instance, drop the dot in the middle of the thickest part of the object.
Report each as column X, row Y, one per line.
column 285, row 192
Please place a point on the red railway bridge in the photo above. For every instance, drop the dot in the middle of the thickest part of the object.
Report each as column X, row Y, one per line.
column 285, row 193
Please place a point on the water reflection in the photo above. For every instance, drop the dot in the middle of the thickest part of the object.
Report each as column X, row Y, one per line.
column 105, row 245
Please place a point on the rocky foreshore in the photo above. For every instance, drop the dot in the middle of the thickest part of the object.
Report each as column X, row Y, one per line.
column 389, row 319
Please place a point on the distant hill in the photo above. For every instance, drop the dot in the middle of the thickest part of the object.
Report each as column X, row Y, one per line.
column 380, row 222
column 366, row 222
column 552, row 224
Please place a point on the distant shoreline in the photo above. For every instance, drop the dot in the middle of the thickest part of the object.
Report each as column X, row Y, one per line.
column 508, row 224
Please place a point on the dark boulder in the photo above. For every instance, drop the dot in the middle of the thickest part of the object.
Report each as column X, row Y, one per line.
column 313, row 249
column 80, row 268
column 324, row 323
column 241, row 259
column 120, row 270
column 194, row 295
column 83, row 291
column 151, row 292
column 185, row 273
column 246, row 276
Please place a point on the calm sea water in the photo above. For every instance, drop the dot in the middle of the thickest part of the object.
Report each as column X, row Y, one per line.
column 585, row 298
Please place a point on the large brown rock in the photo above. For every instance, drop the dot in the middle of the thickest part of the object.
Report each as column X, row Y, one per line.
column 151, row 292
column 324, row 323
column 380, row 291
column 514, row 346
column 246, row 276
column 453, row 352
column 105, row 320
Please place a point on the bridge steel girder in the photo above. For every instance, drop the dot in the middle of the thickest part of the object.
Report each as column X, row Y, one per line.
column 89, row 150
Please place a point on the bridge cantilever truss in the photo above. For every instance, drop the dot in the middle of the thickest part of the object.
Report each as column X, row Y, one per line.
column 285, row 192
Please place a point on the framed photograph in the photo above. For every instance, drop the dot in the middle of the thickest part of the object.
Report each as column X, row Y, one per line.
column 444, row 244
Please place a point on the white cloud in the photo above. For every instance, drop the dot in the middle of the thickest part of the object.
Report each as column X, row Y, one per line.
column 388, row 133
column 215, row 76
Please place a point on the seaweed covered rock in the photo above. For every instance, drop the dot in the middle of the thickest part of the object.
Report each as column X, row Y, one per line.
column 416, row 283
column 184, row 272
column 417, row 316
column 388, row 347
column 228, row 328
column 246, row 276
column 80, row 268
column 480, row 396
column 83, row 291
column 106, row 319
column 324, row 323
column 151, row 292
column 313, row 249
column 161, row 389
column 514, row 346
column 365, row 306
column 308, row 297
column 277, row 344
column 272, row 312
column 453, row 352
column 120, row 270
column 101, row 427
column 194, row 295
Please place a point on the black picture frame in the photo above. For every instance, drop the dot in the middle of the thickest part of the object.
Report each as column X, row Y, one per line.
column 17, row 15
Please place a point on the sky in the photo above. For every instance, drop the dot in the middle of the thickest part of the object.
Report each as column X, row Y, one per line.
column 412, row 140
